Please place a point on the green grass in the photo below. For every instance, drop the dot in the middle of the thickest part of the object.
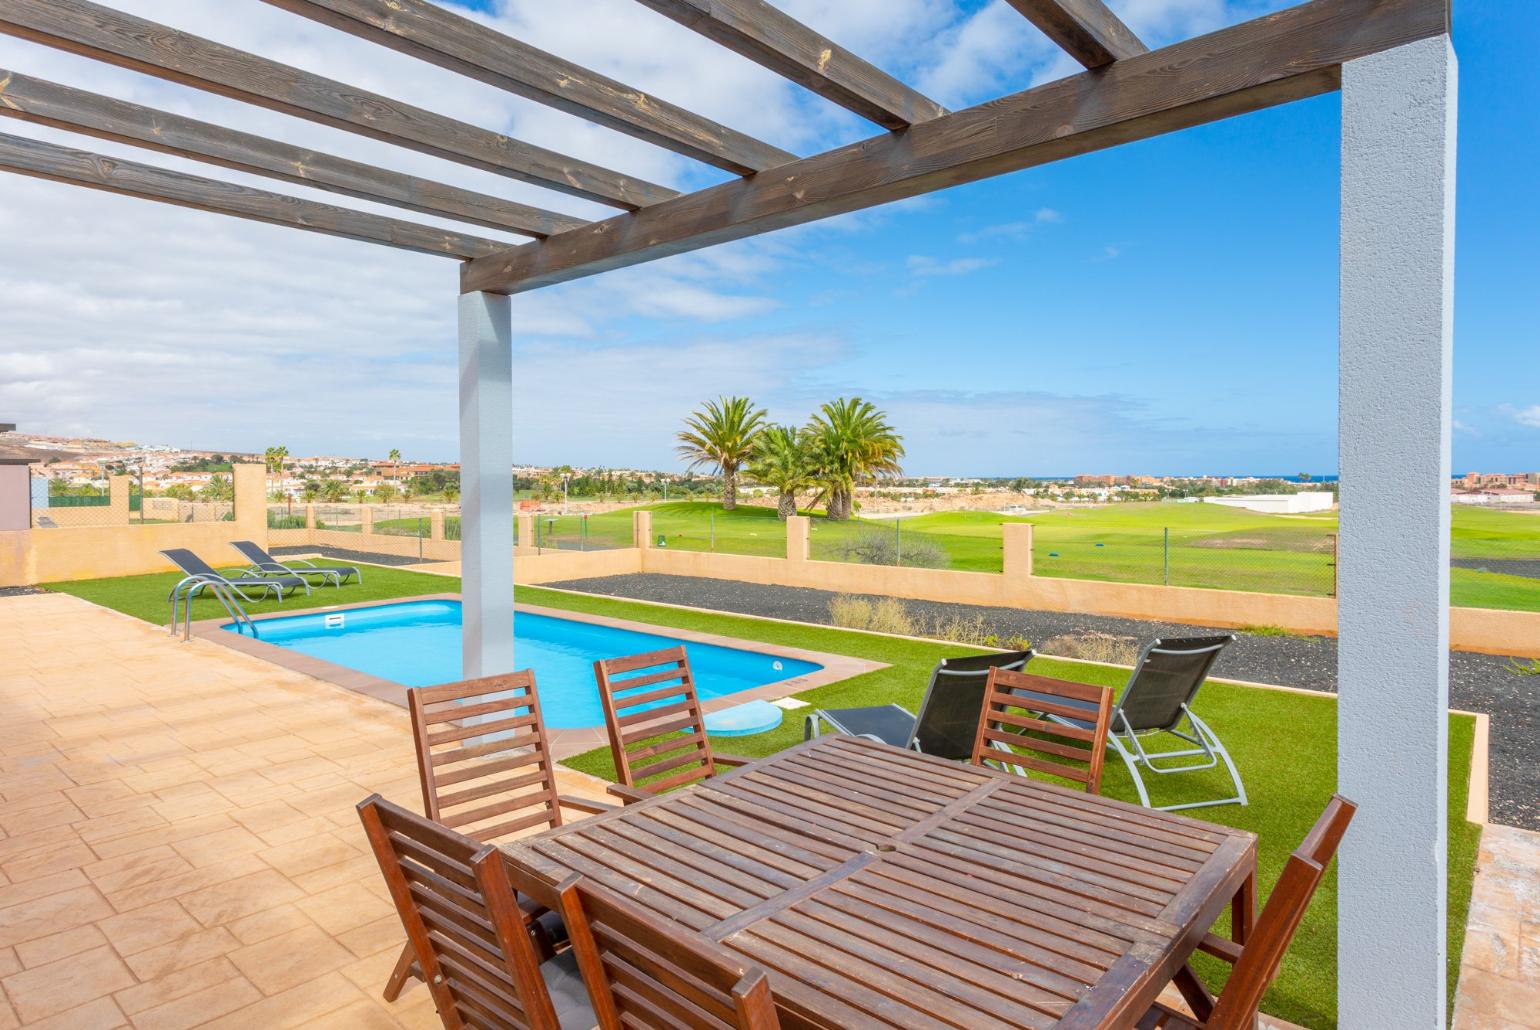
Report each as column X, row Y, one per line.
column 1284, row 743
column 1211, row 545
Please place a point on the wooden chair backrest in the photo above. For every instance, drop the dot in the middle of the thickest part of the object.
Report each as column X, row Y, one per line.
column 1238, row 1004
column 484, row 788
column 461, row 916
column 643, row 973
column 654, row 719
column 1074, row 752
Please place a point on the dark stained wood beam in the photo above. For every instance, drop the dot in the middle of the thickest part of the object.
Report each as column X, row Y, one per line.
column 92, row 30
column 768, row 36
column 81, row 168
column 1294, row 53
column 1084, row 29
column 436, row 35
column 63, row 107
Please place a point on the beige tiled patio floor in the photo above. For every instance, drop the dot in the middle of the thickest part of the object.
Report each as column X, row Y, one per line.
column 1500, row 978
column 178, row 845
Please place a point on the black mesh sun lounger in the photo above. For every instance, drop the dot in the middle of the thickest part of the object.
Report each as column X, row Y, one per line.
column 264, row 565
column 949, row 713
column 1158, row 699
column 200, row 573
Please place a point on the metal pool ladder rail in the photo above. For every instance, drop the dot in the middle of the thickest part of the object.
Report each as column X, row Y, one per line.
column 226, row 596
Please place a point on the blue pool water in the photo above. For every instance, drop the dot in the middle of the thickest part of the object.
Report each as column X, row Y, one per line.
column 418, row 643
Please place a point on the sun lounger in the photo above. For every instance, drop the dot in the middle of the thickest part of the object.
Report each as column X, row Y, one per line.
column 949, row 713
column 264, row 564
column 200, row 574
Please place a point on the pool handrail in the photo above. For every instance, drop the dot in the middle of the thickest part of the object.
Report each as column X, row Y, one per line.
column 222, row 591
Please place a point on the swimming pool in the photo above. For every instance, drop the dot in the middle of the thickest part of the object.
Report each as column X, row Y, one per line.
column 417, row 643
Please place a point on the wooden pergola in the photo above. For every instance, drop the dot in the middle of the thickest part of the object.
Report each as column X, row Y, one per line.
column 1391, row 59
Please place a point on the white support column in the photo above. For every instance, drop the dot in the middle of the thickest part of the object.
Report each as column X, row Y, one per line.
column 1398, row 156
column 486, row 484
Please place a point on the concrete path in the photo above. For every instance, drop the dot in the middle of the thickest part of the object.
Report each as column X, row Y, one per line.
column 1500, row 977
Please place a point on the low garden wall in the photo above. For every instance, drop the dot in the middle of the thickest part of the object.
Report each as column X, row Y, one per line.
column 41, row 556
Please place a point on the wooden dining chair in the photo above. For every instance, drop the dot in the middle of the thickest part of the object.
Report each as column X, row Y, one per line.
column 644, row 973
column 1014, row 730
column 461, row 914
column 1256, row 960
column 487, row 772
column 655, row 723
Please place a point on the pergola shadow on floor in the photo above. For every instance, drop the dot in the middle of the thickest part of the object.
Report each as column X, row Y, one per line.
column 1391, row 59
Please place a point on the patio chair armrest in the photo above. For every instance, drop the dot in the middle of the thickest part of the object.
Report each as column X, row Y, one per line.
column 629, row 795
column 584, row 805
column 721, row 759
column 1220, row 948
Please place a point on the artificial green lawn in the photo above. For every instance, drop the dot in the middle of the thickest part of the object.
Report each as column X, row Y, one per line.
column 1284, row 743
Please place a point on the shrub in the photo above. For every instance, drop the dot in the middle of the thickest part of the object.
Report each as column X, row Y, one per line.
column 883, row 549
column 1094, row 646
column 1529, row 668
column 877, row 614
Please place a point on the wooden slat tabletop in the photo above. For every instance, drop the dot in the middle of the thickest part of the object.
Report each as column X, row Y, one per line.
column 884, row 888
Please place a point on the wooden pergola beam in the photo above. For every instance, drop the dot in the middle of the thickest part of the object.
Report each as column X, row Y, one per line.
column 95, row 171
column 769, row 37
column 92, row 30
column 437, row 35
column 1084, row 29
column 1295, row 53
column 63, row 107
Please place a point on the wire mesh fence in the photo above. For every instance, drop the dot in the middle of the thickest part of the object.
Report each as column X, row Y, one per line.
column 583, row 532
column 395, row 520
column 285, row 518
column 745, row 531
column 1276, row 561
column 888, row 542
column 339, row 518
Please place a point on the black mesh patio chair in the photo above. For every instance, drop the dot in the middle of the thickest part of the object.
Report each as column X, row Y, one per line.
column 1158, row 699
column 949, row 712
column 200, row 574
column 264, row 564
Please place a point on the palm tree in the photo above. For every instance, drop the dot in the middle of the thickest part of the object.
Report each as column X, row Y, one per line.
column 395, row 463
column 275, row 457
column 852, row 444
column 783, row 461
column 722, row 435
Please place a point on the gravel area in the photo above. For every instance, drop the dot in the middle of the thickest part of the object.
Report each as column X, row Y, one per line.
column 1477, row 682
column 343, row 554
column 1527, row 567
column 19, row 591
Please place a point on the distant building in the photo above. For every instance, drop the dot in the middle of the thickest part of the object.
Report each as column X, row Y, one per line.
column 1085, row 481
column 1274, row 504
column 1494, row 495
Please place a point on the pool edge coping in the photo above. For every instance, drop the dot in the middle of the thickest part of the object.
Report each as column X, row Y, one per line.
column 564, row 743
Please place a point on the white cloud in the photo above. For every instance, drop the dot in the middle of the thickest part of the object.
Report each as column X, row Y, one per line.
column 924, row 267
column 1017, row 230
column 1529, row 416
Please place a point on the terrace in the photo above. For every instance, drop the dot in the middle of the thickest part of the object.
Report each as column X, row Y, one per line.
column 181, row 845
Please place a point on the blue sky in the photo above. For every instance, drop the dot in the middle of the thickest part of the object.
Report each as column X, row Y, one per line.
column 1165, row 307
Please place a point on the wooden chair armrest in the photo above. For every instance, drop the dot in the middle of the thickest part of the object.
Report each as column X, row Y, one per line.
column 629, row 795
column 585, row 805
column 1220, row 948
column 721, row 759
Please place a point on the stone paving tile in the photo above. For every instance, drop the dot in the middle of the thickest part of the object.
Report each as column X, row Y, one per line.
column 178, row 840
column 1499, row 985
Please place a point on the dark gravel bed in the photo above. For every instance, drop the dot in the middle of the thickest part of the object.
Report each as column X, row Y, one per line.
column 1477, row 682
column 1527, row 567
column 19, row 591
column 343, row 554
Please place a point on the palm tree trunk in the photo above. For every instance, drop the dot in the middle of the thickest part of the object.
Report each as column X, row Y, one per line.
column 838, row 508
column 788, row 506
column 729, row 490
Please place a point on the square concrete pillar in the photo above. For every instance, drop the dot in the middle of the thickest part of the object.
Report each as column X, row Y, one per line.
column 1016, row 541
column 641, row 529
column 526, row 522
column 798, row 533
column 249, row 481
column 486, row 484
column 1397, row 303
column 117, row 495
column 366, row 519
column 310, row 518
column 436, row 524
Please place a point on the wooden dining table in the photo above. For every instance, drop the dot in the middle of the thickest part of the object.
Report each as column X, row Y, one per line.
column 880, row 887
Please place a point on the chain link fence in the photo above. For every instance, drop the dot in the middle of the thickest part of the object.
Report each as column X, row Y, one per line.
column 1272, row 561
column 583, row 532
column 739, row 533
